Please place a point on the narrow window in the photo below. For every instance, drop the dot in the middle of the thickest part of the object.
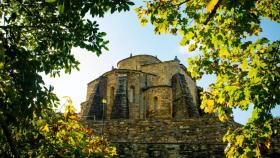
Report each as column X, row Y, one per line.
column 112, row 94
column 155, row 100
column 132, row 94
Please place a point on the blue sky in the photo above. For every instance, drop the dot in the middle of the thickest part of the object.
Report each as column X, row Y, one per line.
column 126, row 37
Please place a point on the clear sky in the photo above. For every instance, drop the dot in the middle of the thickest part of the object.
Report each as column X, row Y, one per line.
column 126, row 37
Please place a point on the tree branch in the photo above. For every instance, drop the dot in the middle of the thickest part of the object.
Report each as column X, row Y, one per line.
column 213, row 12
column 8, row 136
column 16, row 26
column 179, row 4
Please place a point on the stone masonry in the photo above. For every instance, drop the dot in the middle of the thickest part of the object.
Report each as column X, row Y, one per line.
column 142, row 87
column 151, row 109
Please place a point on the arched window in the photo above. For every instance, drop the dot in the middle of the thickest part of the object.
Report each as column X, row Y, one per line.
column 112, row 94
column 132, row 94
column 155, row 102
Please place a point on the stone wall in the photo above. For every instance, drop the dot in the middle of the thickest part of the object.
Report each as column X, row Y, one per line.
column 191, row 86
column 158, row 101
column 136, row 62
column 169, row 150
column 90, row 87
column 166, row 70
column 197, row 137
column 136, row 81
column 135, row 98
column 171, row 138
column 182, row 101
column 111, row 91
column 96, row 109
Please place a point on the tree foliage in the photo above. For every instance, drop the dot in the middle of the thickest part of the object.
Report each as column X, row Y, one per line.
column 247, row 71
column 59, row 135
column 36, row 38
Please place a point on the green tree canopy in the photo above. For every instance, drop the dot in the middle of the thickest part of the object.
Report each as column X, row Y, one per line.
column 37, row 37
column 247, row 72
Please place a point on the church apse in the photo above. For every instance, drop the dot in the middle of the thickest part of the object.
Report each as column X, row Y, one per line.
column 142, row 87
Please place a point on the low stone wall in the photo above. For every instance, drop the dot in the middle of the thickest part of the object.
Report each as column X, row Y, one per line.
column 170, row 138
column 172, row 150
column 194, row 137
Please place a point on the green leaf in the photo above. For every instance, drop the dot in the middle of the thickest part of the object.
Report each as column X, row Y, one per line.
column 144, row 21
column 61, row 8
column 223, row 53
column 1, row 65
column 252, row 73
column 244, row 65
column 192, row 47
column 50, row 1
column 183, row 41
column 189, row 35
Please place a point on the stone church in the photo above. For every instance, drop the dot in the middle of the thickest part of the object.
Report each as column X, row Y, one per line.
column 142, row 87
column 149, row 108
